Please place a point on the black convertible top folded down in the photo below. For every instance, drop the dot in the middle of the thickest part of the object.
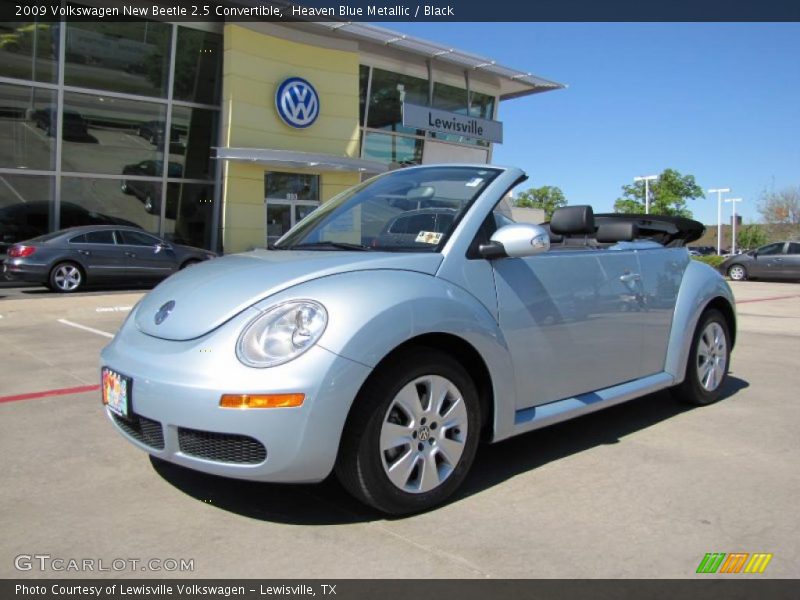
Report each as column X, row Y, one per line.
column 666, row 230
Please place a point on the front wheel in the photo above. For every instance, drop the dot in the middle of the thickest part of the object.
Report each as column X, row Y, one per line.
column 709, row 357
column 737, row 273
column 66, row 277
column 412, row 434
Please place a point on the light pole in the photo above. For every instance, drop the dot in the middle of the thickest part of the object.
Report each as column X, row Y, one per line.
column 719, row 192
column 733, row 224
column 647, row 179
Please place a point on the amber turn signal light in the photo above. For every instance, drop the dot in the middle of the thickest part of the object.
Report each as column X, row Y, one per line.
column 261, row 400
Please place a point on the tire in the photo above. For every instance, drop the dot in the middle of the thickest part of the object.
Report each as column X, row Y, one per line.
column 66, row 277
column 709, row 359
column 148, row 203
column 737, row 272
column 424, row 457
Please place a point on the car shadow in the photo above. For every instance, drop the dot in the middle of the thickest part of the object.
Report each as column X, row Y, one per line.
column 327, row 503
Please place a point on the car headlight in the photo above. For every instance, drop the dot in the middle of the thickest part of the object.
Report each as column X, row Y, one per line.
column 281, row 333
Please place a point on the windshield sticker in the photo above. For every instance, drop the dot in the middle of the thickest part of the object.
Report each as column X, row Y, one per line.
column 429, row 237
column 474, row 182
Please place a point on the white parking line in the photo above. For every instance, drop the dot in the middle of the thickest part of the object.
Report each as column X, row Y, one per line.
column 13, row 189
column 85, row 328
column 35, row 130
column 112, row 309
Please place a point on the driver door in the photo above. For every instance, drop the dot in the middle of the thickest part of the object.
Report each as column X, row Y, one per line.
column 573, row 321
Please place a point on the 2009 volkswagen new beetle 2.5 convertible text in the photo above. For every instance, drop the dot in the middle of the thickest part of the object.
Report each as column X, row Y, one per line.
column 403, row 322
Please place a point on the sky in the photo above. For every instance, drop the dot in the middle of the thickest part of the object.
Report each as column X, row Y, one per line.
column 718, row 101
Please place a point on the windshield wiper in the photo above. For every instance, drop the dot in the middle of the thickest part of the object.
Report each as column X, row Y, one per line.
column 329, row 245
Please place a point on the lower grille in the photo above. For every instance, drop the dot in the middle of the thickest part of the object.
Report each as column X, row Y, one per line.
column 221, row 447
column 148, row 432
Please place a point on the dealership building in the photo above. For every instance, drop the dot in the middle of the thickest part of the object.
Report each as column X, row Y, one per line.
column 224, row 135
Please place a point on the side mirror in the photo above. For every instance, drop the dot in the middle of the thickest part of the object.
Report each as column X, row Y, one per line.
column 516, row 241
column 162, row 246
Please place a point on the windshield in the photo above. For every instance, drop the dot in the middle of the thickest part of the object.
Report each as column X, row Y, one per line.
column 412, row 210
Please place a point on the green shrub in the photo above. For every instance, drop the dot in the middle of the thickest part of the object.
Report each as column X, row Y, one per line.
column 712, row 259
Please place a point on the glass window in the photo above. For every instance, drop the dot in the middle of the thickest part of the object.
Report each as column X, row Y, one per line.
column 198, row 66
column 110, row 135
column 453, row 99
column 194, row 131
column 134, row 238
column 279, row 220
column 27, row 127
column 189, row 214
column 406, row 210
column 78, row 239
column 291, row 186
column 29, row 50
column 26, row 204
column 771, row 249
column 363, row 82
column 129, row 57
column 794, row 248
column 392, row 149
column 104, row 236
column 389, row 91
column 92, row 201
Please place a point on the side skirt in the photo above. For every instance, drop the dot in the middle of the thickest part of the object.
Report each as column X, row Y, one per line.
column 537, row 417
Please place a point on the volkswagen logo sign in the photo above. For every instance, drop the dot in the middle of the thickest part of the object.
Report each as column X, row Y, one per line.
column 164, row 312
column 297, row 102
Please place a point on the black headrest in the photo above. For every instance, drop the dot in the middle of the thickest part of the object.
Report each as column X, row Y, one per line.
column 572, row 219
column 617, row 232
column 554, row 237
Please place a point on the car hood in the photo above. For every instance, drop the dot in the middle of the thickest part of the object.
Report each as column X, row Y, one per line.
column 210, row 293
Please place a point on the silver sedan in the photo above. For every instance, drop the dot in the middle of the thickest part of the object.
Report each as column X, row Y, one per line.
column 386, row 353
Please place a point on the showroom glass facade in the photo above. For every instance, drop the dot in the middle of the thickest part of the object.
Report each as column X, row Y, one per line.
column 382, row 93
column 109, row 123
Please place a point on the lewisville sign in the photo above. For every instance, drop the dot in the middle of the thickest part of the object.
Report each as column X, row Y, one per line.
column 442, row 121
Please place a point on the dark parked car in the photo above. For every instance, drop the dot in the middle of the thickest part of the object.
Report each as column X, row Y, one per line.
column 779, row 260
column 149, row 192
column 74, row 124
column 24, row 221
column 153, row 132
column 67, row 260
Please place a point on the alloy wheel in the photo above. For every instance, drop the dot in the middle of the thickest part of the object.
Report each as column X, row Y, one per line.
column 423, row 434
column 712, row 356
column 67, row 277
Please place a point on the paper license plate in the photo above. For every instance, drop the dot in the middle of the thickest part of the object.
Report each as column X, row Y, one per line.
column 117, row 392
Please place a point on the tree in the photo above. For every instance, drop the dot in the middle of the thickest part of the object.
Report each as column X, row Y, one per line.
column 668, row 195
column 548, row 198
column 751, row 236
column 782, row 207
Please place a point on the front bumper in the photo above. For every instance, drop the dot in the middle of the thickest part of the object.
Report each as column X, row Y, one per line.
column 177, row 388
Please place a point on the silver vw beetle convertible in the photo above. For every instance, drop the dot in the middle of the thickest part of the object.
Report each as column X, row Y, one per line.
column 405, row 321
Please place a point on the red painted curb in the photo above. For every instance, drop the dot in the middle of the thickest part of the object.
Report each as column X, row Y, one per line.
column 48, row 393
column 768, row 299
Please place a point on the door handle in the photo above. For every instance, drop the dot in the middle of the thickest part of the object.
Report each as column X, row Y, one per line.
column 130, row 254
column 84, row 252
column 630, row 277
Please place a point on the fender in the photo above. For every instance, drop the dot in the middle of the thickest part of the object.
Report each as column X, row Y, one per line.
column 700, row 285
column 395, row 306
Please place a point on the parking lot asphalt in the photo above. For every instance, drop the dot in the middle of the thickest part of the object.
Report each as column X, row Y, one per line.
column 641, row 490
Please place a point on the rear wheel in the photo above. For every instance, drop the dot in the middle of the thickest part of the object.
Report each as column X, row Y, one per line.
column 412, row 434
column 709, row 357
column 737, row 272
column 66, row 277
